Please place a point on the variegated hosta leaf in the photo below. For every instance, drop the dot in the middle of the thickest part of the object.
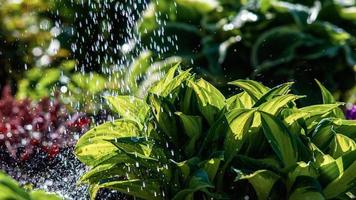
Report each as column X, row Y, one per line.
column 193, row 127
column 164, row 114
column 129, row 107
column 281, row 140
column 255, row 89
column 341, row 145
column 301, row 169
column 246, row 100
column 198, row 182
column 212, row 165
column 306, row 187
column 234, row 102
column 317, row 112
column 327, row 129
column 262, row 182
column 328, row 98
column 279, row 90
column 338, row 176
column 94, row 146
column 239, row 123
column 275, row 105
column 210, row 99
column 170, row 84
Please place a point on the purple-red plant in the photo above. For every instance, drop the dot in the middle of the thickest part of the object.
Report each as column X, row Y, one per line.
column 27, row 127
column 351, row 112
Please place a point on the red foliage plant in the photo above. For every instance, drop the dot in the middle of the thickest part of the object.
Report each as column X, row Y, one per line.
column 27, row 127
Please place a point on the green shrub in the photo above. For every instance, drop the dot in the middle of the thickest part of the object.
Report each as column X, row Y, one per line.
column 9, row 189
column 184, row 140
column 273, row 41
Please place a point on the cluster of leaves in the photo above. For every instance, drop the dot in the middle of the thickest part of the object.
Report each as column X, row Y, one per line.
column 10, row 189
column 82, row 91
column 78, row 90
column 184, row 140
column 27, row 128
column 273, row 41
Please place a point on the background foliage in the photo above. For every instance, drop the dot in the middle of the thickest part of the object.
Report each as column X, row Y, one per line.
column 270, row 40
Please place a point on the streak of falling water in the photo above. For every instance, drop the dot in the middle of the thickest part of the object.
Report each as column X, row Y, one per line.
column 106, row 41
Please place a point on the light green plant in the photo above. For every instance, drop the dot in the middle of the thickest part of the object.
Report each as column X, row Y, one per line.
column 185, row 140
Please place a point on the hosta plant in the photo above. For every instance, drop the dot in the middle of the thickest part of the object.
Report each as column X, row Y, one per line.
column 185, row 140
column 10, row 189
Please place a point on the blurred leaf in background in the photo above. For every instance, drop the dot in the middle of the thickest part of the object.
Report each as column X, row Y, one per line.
column 270, row 40
column 27, row 38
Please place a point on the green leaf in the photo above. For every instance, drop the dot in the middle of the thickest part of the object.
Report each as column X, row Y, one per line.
column 164, row 113
column 239, row 124
column 210, row 99
column 348, row 13
column 187, row 167
column 93, row 147
column 326, row 130
column 281, row 140
column 345, row 127
column 91, row 83
column 279, row 90
column 341, row 145
column 193, row 127
column 301, row 169
column 306, row 187
column 202, row 6
column 328, row 98
column 262, row 182
column 246, row 100
column 129, row 107
column 137, row 70
column 107, row 169
column 318, row 112
column 212, row 165
column 40, row 195
column 275, row 105
column 198, row 182
column 234, row 102
column 137, row 147
column 255, row 89
column 170, row 83
column 339, row 175
column 10, row 189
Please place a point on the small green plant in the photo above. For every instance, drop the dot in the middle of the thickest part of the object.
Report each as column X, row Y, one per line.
column 10, row 189
column 185, row 140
